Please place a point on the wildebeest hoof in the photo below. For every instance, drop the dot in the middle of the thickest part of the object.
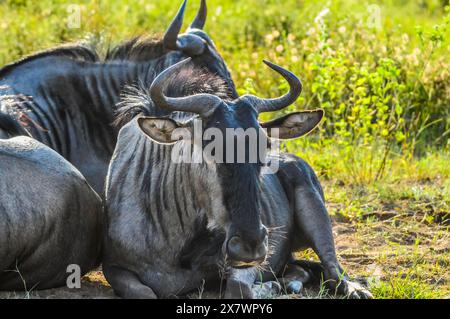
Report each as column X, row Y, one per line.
column 294, row 287
column 267, row 289
column 238, row 290
column 355, row 290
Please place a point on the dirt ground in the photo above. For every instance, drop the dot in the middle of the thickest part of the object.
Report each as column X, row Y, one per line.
column 383, row 248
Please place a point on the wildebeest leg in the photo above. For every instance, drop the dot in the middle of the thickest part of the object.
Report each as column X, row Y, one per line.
column 240, row 282
column 241, row 285
column 314, row 223
column 127, row 285
column 294, row 278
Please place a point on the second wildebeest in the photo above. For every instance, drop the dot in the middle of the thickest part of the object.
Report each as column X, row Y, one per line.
column 65, row 97
column 50, row 218
column 173, row 225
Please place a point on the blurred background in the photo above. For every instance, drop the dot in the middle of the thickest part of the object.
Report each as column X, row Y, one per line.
column 381, row 71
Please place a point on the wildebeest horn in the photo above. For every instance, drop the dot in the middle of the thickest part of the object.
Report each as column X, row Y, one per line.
column 190, row 44
column 271, row 105
column 171, row 36
column 202, row 104
column 200, row 19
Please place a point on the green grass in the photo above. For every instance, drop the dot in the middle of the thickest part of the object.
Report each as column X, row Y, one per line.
column 382, row 151
column 405, row 288
column 395, row 233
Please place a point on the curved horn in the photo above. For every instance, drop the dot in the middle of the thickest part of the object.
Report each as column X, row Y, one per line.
column 200, row 19
column 202, row 104
column 276, row 104
column 171, row 36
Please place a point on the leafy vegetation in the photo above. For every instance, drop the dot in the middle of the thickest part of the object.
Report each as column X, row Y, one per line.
column 379, row 69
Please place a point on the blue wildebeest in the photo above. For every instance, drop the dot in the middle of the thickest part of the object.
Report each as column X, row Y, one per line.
column 171, row 225
column 66, row 97
column 50, row 217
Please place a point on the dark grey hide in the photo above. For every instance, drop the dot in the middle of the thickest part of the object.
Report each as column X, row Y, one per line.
column 172, row 227
column 66, row 97
column 50, row 217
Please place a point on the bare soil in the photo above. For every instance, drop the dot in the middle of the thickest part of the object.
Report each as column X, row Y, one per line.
column 383, row 246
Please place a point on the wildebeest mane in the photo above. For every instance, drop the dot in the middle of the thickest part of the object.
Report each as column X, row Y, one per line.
column 138, row 49
column 78, row 52
column 11, row 126
column 191, row 80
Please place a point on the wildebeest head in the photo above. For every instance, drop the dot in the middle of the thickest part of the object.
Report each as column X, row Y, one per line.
column 239, row 174
column 195, row 43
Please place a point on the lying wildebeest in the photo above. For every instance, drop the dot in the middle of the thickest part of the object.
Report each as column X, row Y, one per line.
column 50, row 217
column 66, row 97
column 172, row 225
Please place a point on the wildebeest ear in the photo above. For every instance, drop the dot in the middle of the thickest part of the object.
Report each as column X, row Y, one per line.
column 160, row 130
column 294, row 124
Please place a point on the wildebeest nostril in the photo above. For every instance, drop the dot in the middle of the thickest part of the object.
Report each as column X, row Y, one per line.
column 235, row 248
column 264, row 233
